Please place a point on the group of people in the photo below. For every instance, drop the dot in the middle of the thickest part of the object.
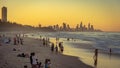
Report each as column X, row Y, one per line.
column 18, row 40
column 45, row 41
column 55, row 48
column 4, row 39
column 36, row 64
column 7, row 40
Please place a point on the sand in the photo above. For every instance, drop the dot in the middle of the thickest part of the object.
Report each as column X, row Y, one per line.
column 9, row 59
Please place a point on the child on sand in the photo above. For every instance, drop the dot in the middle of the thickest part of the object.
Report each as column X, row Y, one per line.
column 47, row 63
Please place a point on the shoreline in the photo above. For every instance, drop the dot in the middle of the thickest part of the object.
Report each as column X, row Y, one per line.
column 85, row 52
column 91, row 48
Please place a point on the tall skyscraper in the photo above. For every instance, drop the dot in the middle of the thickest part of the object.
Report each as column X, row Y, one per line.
column 4, row 14
column 89, row 27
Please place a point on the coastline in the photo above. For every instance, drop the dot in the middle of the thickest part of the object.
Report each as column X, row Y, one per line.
column 85, row 52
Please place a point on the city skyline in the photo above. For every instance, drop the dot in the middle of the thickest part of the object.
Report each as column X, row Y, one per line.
column 102, row 14
column 65, row 27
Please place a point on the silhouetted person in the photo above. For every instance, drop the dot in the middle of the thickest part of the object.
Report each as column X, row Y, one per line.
column 31, row 54
column 25, row 66
column 18, row 40
column 60, row 44
column 21, row 41
column 15, row 42
column 52, row 47
column 68, row 39
column 110, row 51
column 62, row 48
column 44, row 42
column 95, row 57
column 56, row 49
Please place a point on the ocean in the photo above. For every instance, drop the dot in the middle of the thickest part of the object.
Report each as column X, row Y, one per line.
column 100, row 40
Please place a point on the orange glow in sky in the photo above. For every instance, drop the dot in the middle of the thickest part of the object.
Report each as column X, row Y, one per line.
column 103, row 14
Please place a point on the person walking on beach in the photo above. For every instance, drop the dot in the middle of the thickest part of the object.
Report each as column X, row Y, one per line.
column 52, row 47
column 95, row 57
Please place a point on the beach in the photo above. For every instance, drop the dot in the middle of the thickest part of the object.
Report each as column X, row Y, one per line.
column 9, row 58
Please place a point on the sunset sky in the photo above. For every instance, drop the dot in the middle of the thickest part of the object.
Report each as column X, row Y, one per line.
column 103, row 14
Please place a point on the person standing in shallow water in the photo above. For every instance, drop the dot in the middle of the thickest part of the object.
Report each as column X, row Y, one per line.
column 110, row 51
column 62, row 48
column 44, row 42
column 95, row 58
column 56, row 49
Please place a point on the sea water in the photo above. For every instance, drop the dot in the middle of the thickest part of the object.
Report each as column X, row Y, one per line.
column 100, row 40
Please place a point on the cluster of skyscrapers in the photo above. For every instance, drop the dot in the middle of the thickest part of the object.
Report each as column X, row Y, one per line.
column 79, row 27
column 82, row 27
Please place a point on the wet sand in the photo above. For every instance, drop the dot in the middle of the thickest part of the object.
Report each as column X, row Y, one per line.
column 85, row 52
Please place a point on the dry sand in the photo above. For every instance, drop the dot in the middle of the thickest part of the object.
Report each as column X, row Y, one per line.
column 9, row 59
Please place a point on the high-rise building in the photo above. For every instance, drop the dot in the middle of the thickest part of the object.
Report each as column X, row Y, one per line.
column 81, row 26
column 4, row 14
column 89, row 27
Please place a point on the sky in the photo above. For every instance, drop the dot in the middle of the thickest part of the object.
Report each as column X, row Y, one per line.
column 103, row 14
